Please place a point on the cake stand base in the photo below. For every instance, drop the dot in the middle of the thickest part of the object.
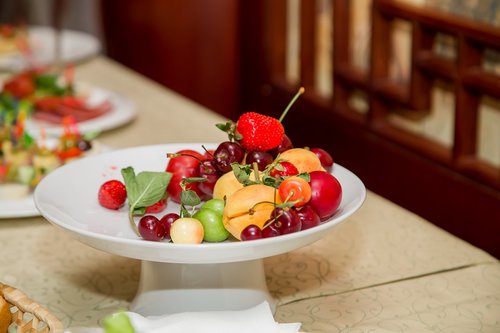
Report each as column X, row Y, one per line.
column 166, row 288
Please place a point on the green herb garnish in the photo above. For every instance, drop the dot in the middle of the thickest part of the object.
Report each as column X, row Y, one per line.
column 143, row 190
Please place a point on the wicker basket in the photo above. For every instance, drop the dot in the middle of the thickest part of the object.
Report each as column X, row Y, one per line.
column 27, row 315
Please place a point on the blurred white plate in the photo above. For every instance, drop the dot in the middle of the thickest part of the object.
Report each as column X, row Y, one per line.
column 15, row 208
column 76, row 47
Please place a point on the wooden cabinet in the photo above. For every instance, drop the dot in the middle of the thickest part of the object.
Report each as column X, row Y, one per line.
column 190, row 46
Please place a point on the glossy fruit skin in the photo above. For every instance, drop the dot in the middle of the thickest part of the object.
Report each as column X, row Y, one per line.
column 295, row 189
column 308, row 217
column 157, row 207
column 174, row 188
column 326, row 194
column 213, row 228
column 209, row 154
column 287, row 221
column 260, row 132
column 216, row 205
column 270, row 231
column 208, row 170
column 112, row 194
column 284, row 145
column 184, row 166
column 251, row 232
column 228, row 152
column 325, row 158
column 167, row 221
column 262, row 158
column 186, row 230
column 150, row 228
column 184, row 161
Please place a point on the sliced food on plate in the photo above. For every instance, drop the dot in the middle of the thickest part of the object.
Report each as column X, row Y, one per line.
column 50, row 97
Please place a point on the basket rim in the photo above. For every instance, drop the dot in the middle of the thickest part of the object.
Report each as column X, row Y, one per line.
column 19, row 299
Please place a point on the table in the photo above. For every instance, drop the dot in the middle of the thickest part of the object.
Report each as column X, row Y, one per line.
column 383, row 269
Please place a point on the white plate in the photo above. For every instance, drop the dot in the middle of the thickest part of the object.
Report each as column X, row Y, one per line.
column 25, row 207
column 123, row 111
column 81, row 215
column 76, row 46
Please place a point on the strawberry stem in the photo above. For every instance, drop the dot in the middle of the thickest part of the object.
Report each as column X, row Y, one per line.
column 300, row 92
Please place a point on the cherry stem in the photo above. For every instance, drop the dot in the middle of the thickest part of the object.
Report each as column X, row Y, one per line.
column 300, row 92
column 173, row 155
column 251, row 211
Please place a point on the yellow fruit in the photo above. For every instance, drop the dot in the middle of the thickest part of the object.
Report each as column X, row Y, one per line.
column 227, row 184
column 303, row 159
column 251, row 204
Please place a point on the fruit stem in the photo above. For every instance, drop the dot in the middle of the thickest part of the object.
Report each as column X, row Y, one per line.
column 256, row 172
column 132, row 223
column 300, row 92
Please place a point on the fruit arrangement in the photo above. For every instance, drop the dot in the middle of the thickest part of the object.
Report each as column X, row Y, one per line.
column 24, row 161
column 254, row 185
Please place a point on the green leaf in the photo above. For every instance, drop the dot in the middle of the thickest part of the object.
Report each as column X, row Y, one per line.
column 131, row 185
column 190, row 198
column 242, row 173
column 143, row 190
column 139, row 211
column 305, row 175
column 270, row 181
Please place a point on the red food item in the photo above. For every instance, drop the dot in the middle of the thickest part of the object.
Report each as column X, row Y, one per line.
column 112, row 194
column 260, row 132
column 295, row 189
column 187, row 159
column 55, row 108
column 325, row 158
column 151, row 229
column 70, row 153
column 283, row 169
column 326, row 194
column 174, row 188
column 20, row 86
column 157, row 207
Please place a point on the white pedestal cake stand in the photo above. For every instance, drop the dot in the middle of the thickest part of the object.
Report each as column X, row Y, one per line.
column 174, row 277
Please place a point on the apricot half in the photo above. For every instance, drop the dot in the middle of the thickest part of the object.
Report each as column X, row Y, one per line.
column 251, row 204
column 303, row 159
column 227, row 184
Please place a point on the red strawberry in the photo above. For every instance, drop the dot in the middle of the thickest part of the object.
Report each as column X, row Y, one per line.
column 112, row 194
column 157, row 207
column 283, row 169
column 259, row 132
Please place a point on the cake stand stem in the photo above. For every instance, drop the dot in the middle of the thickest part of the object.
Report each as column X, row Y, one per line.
column 166, row 288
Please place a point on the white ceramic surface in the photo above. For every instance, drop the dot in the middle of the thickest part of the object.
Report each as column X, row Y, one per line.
column 23, row 207
column 79, row 213
column 76, row 46
column 123, row 111
column 173, row 288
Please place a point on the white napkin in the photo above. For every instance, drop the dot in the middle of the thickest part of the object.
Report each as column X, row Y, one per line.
column 256, row 319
